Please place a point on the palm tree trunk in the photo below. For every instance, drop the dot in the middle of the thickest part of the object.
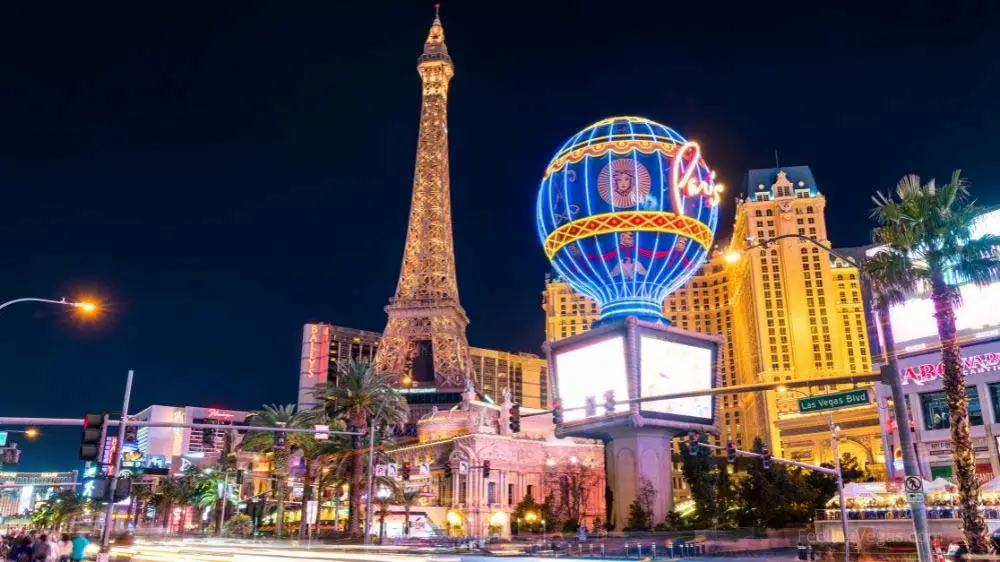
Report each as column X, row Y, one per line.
column 406, row 521
column 973, row 525
column 357, row 477
column 219, row 504
column 381, row 523
column 306, row 497
column 166, row 517
column 280, row 514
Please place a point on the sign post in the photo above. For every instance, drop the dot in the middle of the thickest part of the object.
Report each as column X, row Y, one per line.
column 847, row 399
column 914, row 486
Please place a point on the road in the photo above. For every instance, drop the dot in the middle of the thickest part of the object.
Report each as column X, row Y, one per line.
column 249, row 552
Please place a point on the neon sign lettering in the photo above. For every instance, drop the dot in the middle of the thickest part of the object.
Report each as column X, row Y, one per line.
column 217, row 414
column 974, row 364
column 684, row 182
column 315, row 347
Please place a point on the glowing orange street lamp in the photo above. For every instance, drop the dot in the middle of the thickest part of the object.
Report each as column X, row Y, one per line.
column 31, row 433
column 86, row 307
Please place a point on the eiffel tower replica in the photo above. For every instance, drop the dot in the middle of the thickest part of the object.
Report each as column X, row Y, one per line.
column 424, row 338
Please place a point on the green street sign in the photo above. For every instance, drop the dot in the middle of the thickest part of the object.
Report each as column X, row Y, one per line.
column 836, row 400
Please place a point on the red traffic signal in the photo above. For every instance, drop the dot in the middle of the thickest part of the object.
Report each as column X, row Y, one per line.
column 90, row 440
column 515, row 418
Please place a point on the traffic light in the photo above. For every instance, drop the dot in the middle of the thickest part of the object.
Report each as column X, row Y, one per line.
column 357, row 442
column 515, row 418
column 590, row 408
column 557, row 412
column 131, row 434
column 486, row 469
column 240, row 475
column 406, row 470
column 280, row 439
column 11, row 455
column 90, row 440
column 731, row 452
column 447, row 470
column 609, row 402
column 765, row 458
column 692, row 443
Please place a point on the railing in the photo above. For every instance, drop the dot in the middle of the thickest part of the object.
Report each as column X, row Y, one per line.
column 890, row 514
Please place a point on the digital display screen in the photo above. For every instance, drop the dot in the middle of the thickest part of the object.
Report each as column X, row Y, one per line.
column 591, row 370
column 913, row 324
column 670, row 367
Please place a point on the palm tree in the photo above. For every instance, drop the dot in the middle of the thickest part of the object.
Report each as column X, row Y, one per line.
column 179, row 491
column 409, row 497
column 365, row 397
column 387, row 492
column 142, row 494
column 213, row 489
column 273, row 416
column 926, row 232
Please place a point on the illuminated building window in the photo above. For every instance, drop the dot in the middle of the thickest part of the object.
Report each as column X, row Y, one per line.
column 809, row 209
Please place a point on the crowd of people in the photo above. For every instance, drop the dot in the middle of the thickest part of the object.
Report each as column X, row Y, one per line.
column 38, row 546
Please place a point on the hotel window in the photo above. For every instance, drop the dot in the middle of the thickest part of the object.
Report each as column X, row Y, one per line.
column 935, row 409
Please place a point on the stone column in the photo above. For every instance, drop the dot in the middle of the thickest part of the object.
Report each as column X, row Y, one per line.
column 634, row 455
column 454, row 488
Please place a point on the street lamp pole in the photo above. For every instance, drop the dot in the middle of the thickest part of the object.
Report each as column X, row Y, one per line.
column 82, row 305
column 371, row 473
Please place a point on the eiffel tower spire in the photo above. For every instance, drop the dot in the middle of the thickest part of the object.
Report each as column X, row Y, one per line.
column 425, row 333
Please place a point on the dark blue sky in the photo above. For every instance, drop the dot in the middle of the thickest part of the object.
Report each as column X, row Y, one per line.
column 222, row 172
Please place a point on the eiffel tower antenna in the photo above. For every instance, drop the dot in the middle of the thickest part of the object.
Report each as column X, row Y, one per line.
column 426, row 324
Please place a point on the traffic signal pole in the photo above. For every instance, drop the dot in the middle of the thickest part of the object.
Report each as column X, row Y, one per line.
column 117, row 464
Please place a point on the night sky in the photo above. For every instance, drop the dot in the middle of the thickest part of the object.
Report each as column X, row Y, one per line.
column 219, row 173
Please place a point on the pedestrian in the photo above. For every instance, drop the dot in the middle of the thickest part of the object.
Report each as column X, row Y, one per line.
column 53, row 549
column 80, row 543
column 65, row 547
column 40, row 550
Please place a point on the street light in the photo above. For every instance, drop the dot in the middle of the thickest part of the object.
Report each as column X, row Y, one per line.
column 85, row 307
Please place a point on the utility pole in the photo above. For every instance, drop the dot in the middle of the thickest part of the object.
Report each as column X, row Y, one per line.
column 371, row 472
column 116, row 464
column 890, row 372
column 835, row 437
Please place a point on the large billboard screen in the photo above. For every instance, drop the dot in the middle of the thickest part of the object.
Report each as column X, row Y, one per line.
column 591, row 370
column 976, row 317
column 670, row 367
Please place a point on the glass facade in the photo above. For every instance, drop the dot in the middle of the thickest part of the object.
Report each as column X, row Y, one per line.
column 934, row 406
column 994, row 390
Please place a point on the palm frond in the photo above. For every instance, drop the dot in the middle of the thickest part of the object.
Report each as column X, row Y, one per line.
column 891, row 276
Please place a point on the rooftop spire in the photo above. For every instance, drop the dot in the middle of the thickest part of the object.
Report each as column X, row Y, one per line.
column 435, row 38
